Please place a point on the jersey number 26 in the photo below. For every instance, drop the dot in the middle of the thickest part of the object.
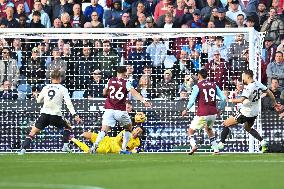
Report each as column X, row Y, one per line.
column 116, row 94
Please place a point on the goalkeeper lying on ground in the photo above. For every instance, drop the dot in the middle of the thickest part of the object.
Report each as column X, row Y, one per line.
column 113, row 144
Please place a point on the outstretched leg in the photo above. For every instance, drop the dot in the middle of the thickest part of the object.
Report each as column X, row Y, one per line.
column 27, row 143
column 192, row 141
column 101, row 135
column 126, row 138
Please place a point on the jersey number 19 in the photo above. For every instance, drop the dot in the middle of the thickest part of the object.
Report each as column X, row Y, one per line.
column 209, row 95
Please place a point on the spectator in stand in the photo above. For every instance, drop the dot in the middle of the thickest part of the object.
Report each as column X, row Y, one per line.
column 183, row 95
column 60, row 8
column 218, row 46
column 36, row 20
column 266, row 102
column 183, row 66
column 235, row 55
column 45, row 20
column 169, row 21
column 10, row 21
column 18, row 54
column 278, row 6
column 167, row 88
column 276, row 70
column 213, row 16
column 188, row 83
column 234, row 10
column 223, row 19
column 95, row 86
column 160, row 9
column 281, row 46
column 147, row 70
column 157, row 51
column 3, row 5
column 273, row 26
column 148, row 6
column 107, row 60
column 240, row 21
column 23, row 21
column 7, row 93
column 138, row 57
column 94, row 7
column 95, row 20
column 125, row 21
column 19, row 11
column 113, row 17
column 197, row 22
column 144, row 87
column 83, row 67
column 269, row 50
column 161, row 20
column 141, row 21
column 24, row 3
column 219, row 71
column 57, row 23
column 262, row 13
column 140, row 9
column 207, row 10
column 8, row 68
column 179, row 10
column 194, row 50
column 78, row 20
column 66, row 20
column 210, row 24
column 130, row 77
column 57, row 63
column 47, row 8
column 150, row 22
column 208, row 46
column 34, row 70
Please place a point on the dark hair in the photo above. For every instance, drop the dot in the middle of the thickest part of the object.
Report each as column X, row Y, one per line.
column 147, row 67
column 279, row 52
column 121, row 69
column 203, row 73
column 36, row 13
column 128, row 102
column 249, row 73
column 275, row 78
column 55, row 74
column 241, row 15
column 106, row 41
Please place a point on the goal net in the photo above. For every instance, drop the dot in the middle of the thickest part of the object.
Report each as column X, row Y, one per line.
column 87, row 58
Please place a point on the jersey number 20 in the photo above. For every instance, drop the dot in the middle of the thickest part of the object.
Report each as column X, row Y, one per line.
column 116, row 94
column 209, row 95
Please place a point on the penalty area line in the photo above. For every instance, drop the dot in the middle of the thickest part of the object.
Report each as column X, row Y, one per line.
column 48, row 186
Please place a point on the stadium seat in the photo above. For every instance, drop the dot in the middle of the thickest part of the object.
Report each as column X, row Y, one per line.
column 78, row 94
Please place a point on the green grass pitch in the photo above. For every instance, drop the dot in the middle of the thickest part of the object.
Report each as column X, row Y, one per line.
column 145, row 171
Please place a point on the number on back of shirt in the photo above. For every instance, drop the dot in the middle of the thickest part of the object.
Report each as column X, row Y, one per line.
column 209, row 95
column 51, row 94
column 116, row 94
column 256, row 95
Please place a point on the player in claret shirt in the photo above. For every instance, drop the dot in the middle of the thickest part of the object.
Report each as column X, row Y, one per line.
column 204, row 94
column 52, row 96
column 115, row 110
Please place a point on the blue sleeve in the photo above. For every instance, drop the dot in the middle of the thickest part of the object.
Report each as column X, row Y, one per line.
column 193, row 96
column 222, row 97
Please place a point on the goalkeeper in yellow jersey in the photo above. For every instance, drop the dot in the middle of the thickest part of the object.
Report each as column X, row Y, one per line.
column 114, row 144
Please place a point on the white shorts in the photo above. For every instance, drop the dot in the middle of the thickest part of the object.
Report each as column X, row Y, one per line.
column 110, row 117
column 199, row 122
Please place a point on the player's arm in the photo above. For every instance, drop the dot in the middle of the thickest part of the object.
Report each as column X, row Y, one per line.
column 192, row 99
column 222, row 97
column 70, row 106
column 245, row 95
column 137, row 95
column 105, row 91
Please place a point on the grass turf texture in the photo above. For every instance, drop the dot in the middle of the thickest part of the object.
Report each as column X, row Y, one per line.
column 145, row 171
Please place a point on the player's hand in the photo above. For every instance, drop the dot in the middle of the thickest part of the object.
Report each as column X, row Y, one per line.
column 77, row 119
column 184, row 113
column 147, row 104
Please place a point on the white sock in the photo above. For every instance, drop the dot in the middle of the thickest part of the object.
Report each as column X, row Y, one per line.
column 65, row 145
column 126, row 138
column 214, row 144
column 192, row 141
column 100, row 137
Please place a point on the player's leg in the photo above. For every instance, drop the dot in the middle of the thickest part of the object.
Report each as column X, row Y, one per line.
column 197, row 123
column 40, row 124
column 124, row 120
column 248, row 127
column 208, row 128
column 108, row 120
column 66, row 136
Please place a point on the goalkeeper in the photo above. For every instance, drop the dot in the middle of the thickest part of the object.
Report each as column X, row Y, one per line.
column 114, row 144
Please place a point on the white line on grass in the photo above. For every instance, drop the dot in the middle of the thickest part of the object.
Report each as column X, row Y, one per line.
column 48, row 186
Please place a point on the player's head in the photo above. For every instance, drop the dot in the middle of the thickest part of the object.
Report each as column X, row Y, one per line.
column 55, row 76
column 202, row 74
column 128, row 106
column 121, row 71
column 138, row 132
column 247, row 76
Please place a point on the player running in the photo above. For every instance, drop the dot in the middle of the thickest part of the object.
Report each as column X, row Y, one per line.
column 52, row 96
column 249, row 110
column 115, row 110
column 204, row 93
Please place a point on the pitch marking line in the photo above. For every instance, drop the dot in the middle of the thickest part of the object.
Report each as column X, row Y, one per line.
column 48, row 186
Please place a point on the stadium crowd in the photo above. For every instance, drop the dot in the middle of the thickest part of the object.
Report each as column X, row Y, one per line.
column 158, row 68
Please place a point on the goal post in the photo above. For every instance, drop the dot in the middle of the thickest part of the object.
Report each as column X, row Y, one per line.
column 166, row 129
